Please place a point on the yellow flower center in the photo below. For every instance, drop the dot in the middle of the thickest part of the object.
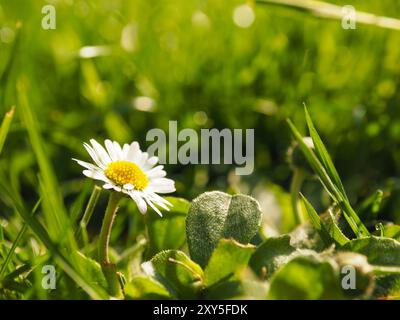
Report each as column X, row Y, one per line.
column 124, row 172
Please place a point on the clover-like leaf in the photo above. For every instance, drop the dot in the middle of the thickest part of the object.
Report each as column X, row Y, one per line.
column 145, row 287
column 306, row 278
column 176, row 272
column 216, row 215
column 228, row 258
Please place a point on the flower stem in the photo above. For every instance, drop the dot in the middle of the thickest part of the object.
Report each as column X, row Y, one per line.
column 94, row 197
column 109, row 269
column 295, row 188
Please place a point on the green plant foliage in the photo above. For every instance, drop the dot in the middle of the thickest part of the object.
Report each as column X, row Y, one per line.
column 227, row 260
column 270, row 254
column 118, row 69
column 392, row 231
column 378, row 250
column 168, row 231
column 145, row 287
column 216, row 215
column 177, row 272
column 306, row 278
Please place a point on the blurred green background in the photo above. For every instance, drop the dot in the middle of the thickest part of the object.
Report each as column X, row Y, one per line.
column 115, row 69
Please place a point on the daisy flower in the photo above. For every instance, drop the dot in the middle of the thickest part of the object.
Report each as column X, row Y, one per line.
column 128, row 170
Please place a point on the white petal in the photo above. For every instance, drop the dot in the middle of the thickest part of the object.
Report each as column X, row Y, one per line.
column 103, row 155
column 87, row 165
column 158, row 200
column 134, row 152
column 159, row 173
column 129, row 186
column 95, row 175
column 149, row 172
column 154, row 207
column 141, row 204
column 150, row 163
column 108, row 186
column 118, row 150
column 93, row 154
column 117, row 188
column 125, row 151
column 110, row 149
column 162, row 185
column 142, row 158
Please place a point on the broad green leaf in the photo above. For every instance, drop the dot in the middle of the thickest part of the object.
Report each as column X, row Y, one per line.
column 92, row 270
column 305, row 278
column 275, row 252
column 379, row 250
column 235, row 289
column 145, row 287
column 177, row 272
column 168, row 231
column 216, row 215
column 270, row 255
column 227, row 260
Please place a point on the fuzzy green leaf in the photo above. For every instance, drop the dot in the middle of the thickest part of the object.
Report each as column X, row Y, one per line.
column 306, row 278
column 216, row 215
column 270, row 254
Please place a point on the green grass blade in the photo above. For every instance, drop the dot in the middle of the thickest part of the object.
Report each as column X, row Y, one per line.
column 56, row 217
column 334, row 230
column 351, row 217
column 316, row 221
column 5, row 127
column 315, row 164
column 94, row 197
column 323, row 154
column 16, row 242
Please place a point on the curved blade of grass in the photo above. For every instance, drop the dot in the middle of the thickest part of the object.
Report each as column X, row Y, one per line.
column 56, row 219
column 331, row 11
column 323, row 154
column 16, row 242
column 333, row 229
column 351, row 217
column 94, row 197
column 5, row 126
column 316, row 221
